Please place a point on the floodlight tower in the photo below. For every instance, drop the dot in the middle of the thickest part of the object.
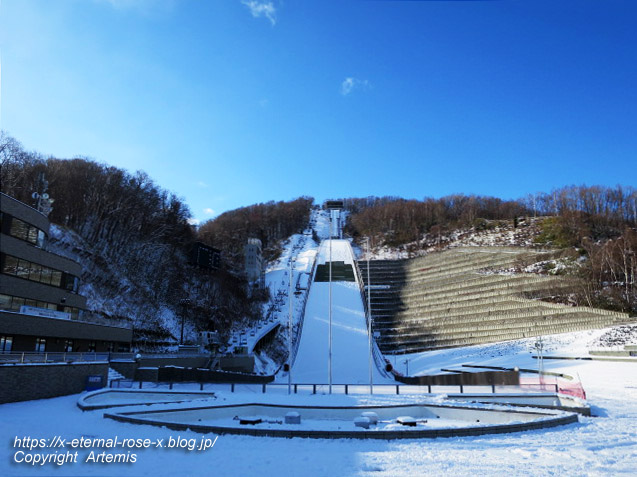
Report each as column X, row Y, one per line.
column 329, row 354
column 290, row 328
column 369, row 322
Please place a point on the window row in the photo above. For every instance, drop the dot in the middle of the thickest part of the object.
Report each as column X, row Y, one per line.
column 38, row 273
column 14, row 303
column 42, row 345
column 6, row 344
column 22, row 230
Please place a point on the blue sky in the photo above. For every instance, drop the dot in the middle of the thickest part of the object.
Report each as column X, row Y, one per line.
column 228, row 102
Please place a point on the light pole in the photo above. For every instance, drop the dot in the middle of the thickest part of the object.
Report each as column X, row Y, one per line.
column 329, row 355
column 369, row 323
column 539, row 346
column 290, row 330
column 184, row 302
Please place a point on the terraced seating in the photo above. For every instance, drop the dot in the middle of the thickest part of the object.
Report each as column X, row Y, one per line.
column 458, row 298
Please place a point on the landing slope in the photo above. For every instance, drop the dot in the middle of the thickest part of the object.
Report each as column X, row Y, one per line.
column 350, row 351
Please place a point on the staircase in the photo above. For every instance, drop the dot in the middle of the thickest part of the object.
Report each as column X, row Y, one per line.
column 114, row 376
column 457, row 298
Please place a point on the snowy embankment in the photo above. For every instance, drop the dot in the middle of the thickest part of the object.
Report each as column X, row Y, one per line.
column 299, row 250
column 596, row 446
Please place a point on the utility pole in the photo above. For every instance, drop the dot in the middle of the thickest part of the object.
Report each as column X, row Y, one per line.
column 539, row 346
column 290, row 329
column 329, row 355
column 369, row 322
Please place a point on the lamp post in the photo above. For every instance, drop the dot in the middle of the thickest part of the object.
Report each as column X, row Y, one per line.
column 290, row 329
column 329, row 355
column 539, row 346
column 369, row 322
column 183, row 305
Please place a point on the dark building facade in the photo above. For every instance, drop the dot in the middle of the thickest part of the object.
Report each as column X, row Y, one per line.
column 205, row 256
column 40, row 308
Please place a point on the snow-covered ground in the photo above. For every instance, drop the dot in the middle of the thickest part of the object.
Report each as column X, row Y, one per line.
column 602, row 445
column 350, row 346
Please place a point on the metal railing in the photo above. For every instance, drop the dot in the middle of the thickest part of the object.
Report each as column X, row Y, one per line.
column 61, row 357
column 345, row 389
column 391, row 389
column 299, row 327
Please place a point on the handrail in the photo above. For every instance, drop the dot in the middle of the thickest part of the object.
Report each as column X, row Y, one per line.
column 299, row 328
column 53, row 357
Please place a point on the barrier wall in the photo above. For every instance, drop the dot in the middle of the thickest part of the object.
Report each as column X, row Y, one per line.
column 24, row 382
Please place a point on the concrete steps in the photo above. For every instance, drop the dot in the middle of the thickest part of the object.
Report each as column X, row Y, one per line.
column 446, row 299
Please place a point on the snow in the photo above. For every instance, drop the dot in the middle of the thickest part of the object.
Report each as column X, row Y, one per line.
column 602, row 445
column 350, row 346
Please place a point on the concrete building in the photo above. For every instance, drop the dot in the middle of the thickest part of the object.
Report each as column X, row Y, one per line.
column 253, row 260
column 40, row 308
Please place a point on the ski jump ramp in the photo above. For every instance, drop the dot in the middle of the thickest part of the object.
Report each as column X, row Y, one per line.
column 350, row 345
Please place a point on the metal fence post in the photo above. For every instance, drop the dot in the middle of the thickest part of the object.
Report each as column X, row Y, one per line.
column 397, row 389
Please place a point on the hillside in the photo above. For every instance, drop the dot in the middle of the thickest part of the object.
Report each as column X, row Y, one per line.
column 133, row 240
column 597, row 245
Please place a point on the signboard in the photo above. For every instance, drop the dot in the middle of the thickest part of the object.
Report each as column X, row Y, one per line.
column 334, row 204
column 95, row 381
column 44, row 312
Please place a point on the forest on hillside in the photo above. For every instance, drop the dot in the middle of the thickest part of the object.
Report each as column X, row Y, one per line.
column 133, row 239
column 271, row 222
column 137, row 229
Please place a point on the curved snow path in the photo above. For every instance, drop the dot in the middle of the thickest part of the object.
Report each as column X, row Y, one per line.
column 350, row 346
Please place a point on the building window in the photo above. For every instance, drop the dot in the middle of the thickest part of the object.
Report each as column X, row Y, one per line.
column 68, row 346
column 75, row 312
column 71, row 283
column 27, row 232
column 40, row 345
column 13, row 303
column 6, row 343
column 37, row 273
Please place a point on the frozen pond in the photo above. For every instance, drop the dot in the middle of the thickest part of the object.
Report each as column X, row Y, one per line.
column 394, row 421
